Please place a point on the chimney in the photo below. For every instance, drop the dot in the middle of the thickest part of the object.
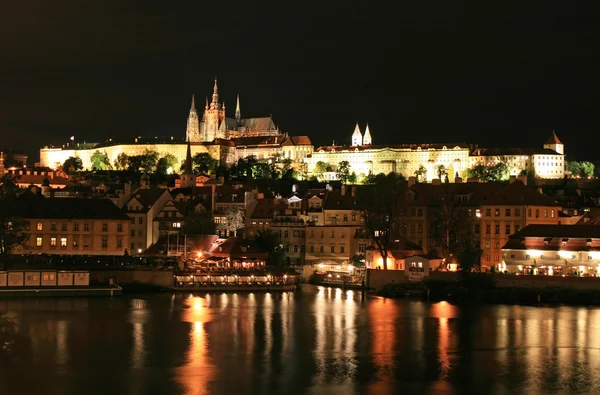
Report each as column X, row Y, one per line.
column 512, row 179
column 343, row 189
column 539, row 190
column 354, row 191
column 412, row 180
column 436, row 181
column 458, row 180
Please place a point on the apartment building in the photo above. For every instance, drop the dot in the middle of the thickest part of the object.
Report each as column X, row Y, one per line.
column 142, row 208
column 75, row 226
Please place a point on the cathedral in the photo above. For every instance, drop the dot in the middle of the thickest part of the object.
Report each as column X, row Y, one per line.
column 214, row 124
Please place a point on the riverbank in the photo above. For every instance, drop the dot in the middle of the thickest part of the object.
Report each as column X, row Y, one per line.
column 483, row 288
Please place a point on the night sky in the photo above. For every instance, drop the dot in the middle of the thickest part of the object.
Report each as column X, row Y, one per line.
column 499, row 75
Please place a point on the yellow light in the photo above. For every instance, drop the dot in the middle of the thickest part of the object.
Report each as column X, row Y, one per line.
column 199, row 254
column 170, row 170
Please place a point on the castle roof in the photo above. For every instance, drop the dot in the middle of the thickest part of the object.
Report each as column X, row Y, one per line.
column 553, row 139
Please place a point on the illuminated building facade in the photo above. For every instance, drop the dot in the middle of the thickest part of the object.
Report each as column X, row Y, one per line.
column 406, row 159
column 553, row 250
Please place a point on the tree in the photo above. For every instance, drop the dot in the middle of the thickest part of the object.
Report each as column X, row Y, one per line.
column 165, row 163
column 203, row 163
column 492, row 173
column 13, row 228
column 468, row 256
column 271, row 242
column 72, row 164
column 145, row 162
column 379, row 204
column 358, row 260
column 100, row 161
column 441, row 171
column 343, row 171
column 199, row 224
column 320, row 168
column 421, row 173
column 234, row 220
column 353, row 178
column 587, row 169
column 122, row 161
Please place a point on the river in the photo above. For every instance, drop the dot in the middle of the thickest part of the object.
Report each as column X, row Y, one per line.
column 315, row 341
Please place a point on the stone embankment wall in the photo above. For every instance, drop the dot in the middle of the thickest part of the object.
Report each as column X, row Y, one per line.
column 376, row 279
column 163, row 278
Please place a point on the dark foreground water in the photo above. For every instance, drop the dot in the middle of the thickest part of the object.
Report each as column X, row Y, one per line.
column 316, row 341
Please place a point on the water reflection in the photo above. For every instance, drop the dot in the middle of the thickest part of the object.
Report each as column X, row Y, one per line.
column 198, row 369
column 318, row 340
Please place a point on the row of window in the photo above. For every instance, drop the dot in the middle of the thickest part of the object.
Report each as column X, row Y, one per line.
column 527, row 256
column 337, row 217
column 517, row 212
column 312, row 234
column 63, row 242
column 488, row 229
column 342, row 249
column 76, row 227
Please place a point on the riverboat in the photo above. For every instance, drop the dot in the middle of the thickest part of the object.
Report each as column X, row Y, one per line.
column 52, row 283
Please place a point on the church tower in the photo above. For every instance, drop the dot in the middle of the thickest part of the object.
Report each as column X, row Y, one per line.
column 357, row 138
column 238, row 112
column 554, row 144
column 367, row 136
column 187, row 178
column 214, row 118
column 192, row 132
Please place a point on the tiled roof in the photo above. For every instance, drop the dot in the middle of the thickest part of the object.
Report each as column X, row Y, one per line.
column 512, row 151
column 74, row 208
column 146, row 197
column 234, row 247
column 421, row 194
column 264, row 208
column 297, row 140
column 263, row 123
column 336, row 201
column 39, row 179
column 517, row 193
column 559, row 231
column 553, row 139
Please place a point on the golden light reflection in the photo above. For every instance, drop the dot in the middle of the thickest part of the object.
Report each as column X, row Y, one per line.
column 199, row 369
column 62, row 351
column 383, row 315
column 137, row 352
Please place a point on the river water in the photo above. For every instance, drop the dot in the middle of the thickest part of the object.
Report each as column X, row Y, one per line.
column 315, row 341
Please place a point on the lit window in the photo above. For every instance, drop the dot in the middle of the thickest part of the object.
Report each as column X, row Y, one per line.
column 53, row 242
column 40, row 226
column 38, row 241
column 63, row 241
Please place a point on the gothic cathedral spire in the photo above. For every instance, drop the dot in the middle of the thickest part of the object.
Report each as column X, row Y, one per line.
column 192, row 132
column 215, row 97
column 238, row 112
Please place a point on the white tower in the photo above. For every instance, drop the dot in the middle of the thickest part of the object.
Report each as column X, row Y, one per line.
column 367, row 136
column 554, row 144
column 357, row 138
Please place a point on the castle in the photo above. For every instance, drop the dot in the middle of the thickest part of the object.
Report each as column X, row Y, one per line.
column 365, row 158
column 214, row 123
column 224, row 139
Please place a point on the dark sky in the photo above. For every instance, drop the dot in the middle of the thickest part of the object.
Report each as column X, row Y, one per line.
column 494, row 73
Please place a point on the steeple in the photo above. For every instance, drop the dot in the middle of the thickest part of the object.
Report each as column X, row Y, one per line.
column 215, row 97
column 238, row 112
column 192, row 132
column 187, row 178
column 357, row 138
column 367, row 136
column 206, row 105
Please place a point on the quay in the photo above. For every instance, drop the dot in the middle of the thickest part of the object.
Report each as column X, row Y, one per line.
column 52, row 283
column 233, row 280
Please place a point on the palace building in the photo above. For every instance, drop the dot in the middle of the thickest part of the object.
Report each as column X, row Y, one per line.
column 224, row 139
column 365, row 157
